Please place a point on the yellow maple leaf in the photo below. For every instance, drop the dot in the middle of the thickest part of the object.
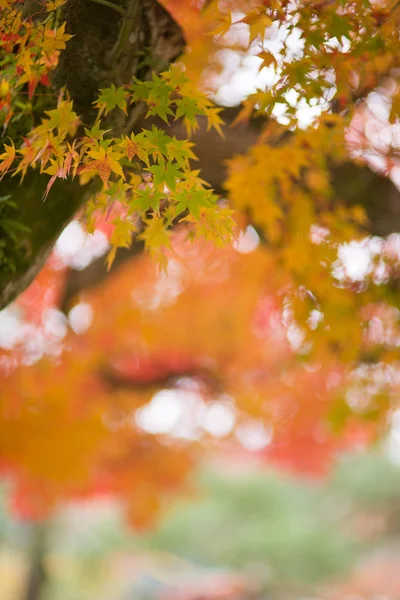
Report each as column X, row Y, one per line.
column 54, row 5
column 258, row 23
column 6, row 159
column 214, row 121
column 105, row 162
column 155, row 235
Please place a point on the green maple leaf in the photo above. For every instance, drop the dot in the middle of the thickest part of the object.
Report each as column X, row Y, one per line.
column 340, row 26
column 110, row 98
column 156, row 93
column 180, row 151
column 193, row 200
column 188, row 109
column 159, row 99
column 117, row 190
column 148, row 198
column 157, row 141
column 95, row 133
column 165, row 173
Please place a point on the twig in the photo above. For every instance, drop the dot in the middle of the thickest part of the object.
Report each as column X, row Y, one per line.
column 111, row 5
column 135, row 114
column 126, row 28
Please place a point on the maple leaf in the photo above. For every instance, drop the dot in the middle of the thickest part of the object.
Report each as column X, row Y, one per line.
column 110, row 98
column 95, row 133
column 258, row 22
column 214, row 224
column 224, row 24
column 155, row 141
column 64, row 118
column 7, row 158
column 53, row 5
column 55, row 39
column 180, row 151
column 122, row 234
column 136, row 146
column 156, row 94
column 267, row 58
column 71, row 158
column 187, row 108
column 193, row 200
column 105, row 162
column 165, row 173
column 55, row 170
column 214, row 121
column 155, row 235
column 148, row 198
column 62, row 167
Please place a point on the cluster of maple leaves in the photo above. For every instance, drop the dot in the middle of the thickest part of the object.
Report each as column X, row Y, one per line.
column 150, row 169
column 279, row 333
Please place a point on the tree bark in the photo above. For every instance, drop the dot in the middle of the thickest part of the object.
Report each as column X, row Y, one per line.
column 84, row 68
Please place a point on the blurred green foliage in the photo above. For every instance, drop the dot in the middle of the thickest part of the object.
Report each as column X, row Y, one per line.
column 266, row 520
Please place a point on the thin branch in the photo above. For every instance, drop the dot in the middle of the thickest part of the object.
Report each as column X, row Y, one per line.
column 111, row 5
column 161, row 379
column 95, row 273
column 135, row 114
column 125, row 31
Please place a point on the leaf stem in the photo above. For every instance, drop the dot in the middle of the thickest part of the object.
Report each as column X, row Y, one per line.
column 111, row 5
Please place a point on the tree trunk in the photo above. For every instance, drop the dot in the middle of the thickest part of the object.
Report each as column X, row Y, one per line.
column 84, row 68
column 37, row 576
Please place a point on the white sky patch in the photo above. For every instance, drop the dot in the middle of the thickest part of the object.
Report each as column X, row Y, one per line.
column 178, row 413
column 393, row 246
column 9, row 328
column 220, row 418
column 81, row 317
column 162, row 414
column 315, row 318
column 13, row 331
column 241, row 79
column 241, row 76
column 77, row 248
column 247, row 241
column 393, row 441
column 183, row 414
column 169, row 285
column 254, row 435
column 379, row 105
column 34, row 347
column 35, row 339
column 55, row 323
column 295, row 337
column 355, row 259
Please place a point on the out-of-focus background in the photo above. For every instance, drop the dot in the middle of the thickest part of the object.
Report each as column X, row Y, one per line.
column 253, row 535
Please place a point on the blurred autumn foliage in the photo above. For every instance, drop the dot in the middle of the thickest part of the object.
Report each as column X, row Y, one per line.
column 210, row 327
